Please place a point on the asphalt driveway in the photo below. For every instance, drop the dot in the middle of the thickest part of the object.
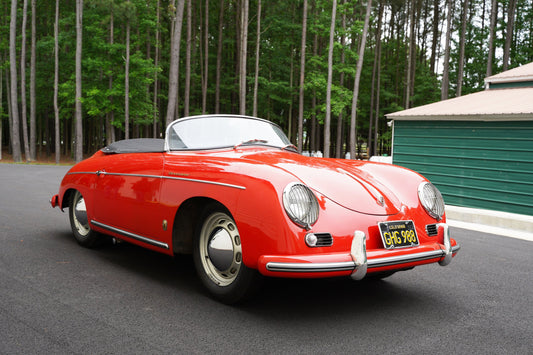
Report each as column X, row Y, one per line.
column 57, row 297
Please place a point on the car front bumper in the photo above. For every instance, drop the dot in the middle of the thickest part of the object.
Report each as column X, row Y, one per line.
column 361, row 261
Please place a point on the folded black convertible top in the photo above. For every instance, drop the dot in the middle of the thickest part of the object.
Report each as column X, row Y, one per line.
column 139, row 145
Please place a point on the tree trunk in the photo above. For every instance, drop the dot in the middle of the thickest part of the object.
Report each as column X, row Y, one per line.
column 56, row 86
column 174, row 64
column 32, row 84
column 373, row 89
column 127, row 79
column 409, row 51
column 446, row 63
column 187, row 92
column 493, row 17
column 291, row 80
column 378, row 80
column 460, row 66
column 156, row 65
column 302, row 80
column 219, row 56
column 15, row 132
column 78, row 156
column 359, row 69
column 23, row 114
column 243, row 57
column 206, row 59
column 410, row 56
column 9, row 110
column 338, row 145
column 257, row 42
column 509, row 34
column 315, row 142
column 436, row 36
column 172, row 14
column 327, row 119
column 313, row 146
column 109, row 130
column 422, row 12
column 145, row 129
column 196, row 58
column 235, row 94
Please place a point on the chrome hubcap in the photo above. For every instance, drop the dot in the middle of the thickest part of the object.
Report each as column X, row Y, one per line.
column 220, row 249
column 80, row 215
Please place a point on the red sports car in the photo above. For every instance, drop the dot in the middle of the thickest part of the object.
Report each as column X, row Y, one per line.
column 234, row 192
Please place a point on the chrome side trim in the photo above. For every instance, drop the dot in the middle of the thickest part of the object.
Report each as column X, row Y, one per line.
column 205, row 182
column 131, row 235
column 103, row 172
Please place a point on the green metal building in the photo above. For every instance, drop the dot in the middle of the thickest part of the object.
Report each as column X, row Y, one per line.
column 478, row 148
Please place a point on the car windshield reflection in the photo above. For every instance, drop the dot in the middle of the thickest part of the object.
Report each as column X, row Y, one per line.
column 218, row 131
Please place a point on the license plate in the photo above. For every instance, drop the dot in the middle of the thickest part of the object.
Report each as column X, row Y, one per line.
column 398, row 234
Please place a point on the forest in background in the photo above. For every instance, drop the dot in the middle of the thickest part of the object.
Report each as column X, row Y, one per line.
column 78, row 75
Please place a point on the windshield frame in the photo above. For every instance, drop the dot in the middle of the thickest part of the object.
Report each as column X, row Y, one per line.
column 170, row 131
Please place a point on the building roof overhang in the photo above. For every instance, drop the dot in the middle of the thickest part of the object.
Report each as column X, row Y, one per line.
column 513, row 104
column 523, row 73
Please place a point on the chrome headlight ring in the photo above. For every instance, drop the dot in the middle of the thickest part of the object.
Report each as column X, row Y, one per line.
column 431, row 198
column 301, row 204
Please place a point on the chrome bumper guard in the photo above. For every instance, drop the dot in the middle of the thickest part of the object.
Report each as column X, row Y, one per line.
column 448, row 253
column 360, row 264
column 358, row 253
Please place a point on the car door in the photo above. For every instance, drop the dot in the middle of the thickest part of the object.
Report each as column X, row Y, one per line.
column 127, row 195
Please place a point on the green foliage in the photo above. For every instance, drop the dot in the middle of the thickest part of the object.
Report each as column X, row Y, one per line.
column 103, row 66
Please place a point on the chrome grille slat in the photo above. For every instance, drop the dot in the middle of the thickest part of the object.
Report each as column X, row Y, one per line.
column 432, row 230
column 324, row 240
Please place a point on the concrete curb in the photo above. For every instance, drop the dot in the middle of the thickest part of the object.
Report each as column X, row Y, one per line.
column 495, row 222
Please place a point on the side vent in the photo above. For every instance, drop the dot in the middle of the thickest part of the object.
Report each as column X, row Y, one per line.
column 432, row 230
column 324, row 240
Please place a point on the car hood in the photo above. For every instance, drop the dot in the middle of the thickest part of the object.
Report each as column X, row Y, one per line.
column 346, row 182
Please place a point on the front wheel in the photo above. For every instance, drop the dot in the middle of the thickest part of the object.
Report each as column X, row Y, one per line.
column 79, row 222
column 218, row 257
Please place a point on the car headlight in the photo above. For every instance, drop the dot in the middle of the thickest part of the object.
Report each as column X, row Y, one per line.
column 431, row 199
column 300, row 204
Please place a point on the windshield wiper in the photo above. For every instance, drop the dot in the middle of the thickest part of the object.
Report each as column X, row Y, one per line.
column 250, row 142
column 290, row 147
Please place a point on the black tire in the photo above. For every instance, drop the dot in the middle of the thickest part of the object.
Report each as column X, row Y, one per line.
column 217, row 256
column 79, row 223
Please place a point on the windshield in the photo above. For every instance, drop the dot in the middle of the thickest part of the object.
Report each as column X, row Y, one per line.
column 217, row 131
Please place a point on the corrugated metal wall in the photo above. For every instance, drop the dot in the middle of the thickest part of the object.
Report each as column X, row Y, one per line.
column 476, row 164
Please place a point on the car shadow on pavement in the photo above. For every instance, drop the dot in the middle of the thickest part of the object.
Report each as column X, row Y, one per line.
column 307, row 292
column 343, row 298
column 286, row 296
column 143, row 263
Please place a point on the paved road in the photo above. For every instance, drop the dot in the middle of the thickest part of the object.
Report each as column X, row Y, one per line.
column 56, row 297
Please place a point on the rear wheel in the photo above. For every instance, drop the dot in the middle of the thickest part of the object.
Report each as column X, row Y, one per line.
column 79, row 222
column 218, row 257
